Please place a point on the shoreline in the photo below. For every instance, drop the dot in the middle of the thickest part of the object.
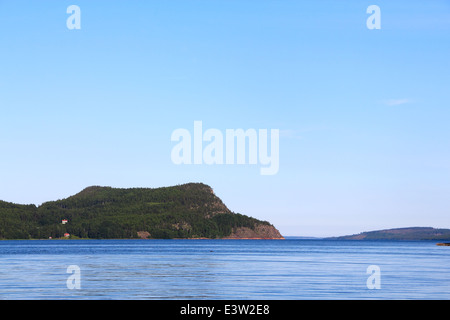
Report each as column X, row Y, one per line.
column 438, row 241
column 65, row 239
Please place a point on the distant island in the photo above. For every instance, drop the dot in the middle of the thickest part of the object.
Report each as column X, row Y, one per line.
column 189, row 211
column 412, row 233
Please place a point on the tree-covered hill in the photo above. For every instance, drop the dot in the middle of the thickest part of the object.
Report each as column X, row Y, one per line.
column 185, row 211
column 412, row 233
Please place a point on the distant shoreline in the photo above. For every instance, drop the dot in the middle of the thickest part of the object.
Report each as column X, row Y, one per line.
column 408, row 233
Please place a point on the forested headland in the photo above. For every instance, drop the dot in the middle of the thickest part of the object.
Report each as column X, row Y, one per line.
column 184, row 211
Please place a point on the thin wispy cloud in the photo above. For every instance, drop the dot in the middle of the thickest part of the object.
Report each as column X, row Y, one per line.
column 290, row 134
column 397, row 102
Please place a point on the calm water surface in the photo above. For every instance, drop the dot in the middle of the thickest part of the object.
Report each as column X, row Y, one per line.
column 223, row 269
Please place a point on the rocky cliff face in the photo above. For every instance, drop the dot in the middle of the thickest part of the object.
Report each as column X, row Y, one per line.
column 261, row 231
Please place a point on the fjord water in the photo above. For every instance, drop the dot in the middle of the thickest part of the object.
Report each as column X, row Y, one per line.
column 223, row 269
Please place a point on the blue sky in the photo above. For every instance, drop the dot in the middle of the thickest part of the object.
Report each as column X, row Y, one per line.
column 363, row 114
